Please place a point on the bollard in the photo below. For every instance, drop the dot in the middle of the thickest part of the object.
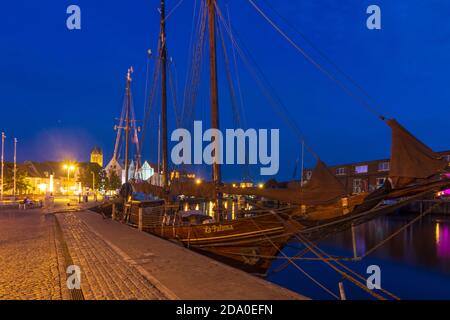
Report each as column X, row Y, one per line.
column 355, row 249
column 341, row 291
column 113, row 215
column 140, row 213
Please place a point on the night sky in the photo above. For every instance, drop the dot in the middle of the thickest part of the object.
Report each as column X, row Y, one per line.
column 61, row 90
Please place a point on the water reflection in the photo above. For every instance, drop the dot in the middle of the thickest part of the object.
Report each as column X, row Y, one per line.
column 442, row 240
column 415, row 264
column 425, row 243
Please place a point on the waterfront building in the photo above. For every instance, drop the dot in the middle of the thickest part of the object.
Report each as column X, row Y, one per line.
column 49, row 177
column 363, row 176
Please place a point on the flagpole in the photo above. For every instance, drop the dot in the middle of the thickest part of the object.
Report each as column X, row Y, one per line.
column 303, row 161
column 15, row 167
column 3, row 165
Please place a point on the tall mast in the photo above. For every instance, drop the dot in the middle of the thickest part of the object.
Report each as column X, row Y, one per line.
column 213, row 80
column 214, row 94
column 159, row 150
column 127, row 123
column 163, row 59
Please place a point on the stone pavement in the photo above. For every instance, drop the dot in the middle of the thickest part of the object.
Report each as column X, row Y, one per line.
column 104, row 274
column 33, row 264
column 180, row 272
column 29, row 256
column 116, row 262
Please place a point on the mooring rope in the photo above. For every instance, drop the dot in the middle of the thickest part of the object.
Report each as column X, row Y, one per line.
column 297, row 266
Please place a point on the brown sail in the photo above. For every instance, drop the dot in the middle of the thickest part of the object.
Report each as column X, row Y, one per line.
column 322, row 188
column 148, row 188
column 193, row 188
column 411, row 159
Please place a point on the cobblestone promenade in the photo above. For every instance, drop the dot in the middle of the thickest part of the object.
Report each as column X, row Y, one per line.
column 33, row 262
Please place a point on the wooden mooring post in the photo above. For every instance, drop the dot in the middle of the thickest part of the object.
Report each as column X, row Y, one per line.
column 342, row 291
column 113, row 214
column 355, row 250
column 141, row 217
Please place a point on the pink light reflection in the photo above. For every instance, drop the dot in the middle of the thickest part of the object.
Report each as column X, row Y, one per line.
column 443, row 240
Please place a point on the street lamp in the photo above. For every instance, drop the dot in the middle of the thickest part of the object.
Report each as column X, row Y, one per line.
column 93, row 185
column 93, row 181
column 68, row 167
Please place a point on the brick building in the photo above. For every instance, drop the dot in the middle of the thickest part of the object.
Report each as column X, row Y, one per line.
column 364, row 176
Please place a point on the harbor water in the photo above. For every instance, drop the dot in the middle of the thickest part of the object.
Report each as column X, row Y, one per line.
column 413, row 265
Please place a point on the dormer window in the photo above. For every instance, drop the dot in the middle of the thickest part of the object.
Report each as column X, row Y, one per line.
column 362, row 169
column 384, row 166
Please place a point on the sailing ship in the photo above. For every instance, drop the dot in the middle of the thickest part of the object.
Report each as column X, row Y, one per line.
column 253, row 238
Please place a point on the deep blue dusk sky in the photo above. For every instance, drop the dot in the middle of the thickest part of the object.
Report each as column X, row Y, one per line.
column 61, row 90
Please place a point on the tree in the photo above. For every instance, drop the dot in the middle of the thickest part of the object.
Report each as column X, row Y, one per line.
column 103, row 180
column 21, row 183
column 86, row 176
column 114, row 181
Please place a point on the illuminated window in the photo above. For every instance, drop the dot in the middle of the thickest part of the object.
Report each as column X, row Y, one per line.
column 361, row 169
column 357, row 185
column 340, row 171
column 384, row 166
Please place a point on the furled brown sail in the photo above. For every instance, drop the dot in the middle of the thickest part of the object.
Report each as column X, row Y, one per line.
column 193, row 188
column 322, row 188
column 148, row 188
column 411, row 159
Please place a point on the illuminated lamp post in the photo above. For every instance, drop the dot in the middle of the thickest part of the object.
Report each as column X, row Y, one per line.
column 68, row 167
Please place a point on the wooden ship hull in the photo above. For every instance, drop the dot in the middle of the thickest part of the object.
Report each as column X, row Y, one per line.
column 249, row 243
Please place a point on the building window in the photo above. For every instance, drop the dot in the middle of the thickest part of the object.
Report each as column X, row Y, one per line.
column 357, row 185
column 340, row 171
column 362, row 169
column 384, row 166
column 447, row 157
column 380, row 182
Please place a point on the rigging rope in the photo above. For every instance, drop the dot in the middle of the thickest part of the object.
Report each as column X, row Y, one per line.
column 316, row 252
column 236, row 116
column 173, row 9
column 241, row 105
column 342, row 85
column 190, row 52
column 323, row 55
column 296, row 265
column 327, row 260
column 155, row 83
column 147, row 71
column 174, row 100
column 262, row 81
column 119, row 129
column 368, row 252
column 237, row 109
column 193, row 82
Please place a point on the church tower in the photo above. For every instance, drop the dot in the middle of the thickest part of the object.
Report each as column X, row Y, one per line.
column 97, row 156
